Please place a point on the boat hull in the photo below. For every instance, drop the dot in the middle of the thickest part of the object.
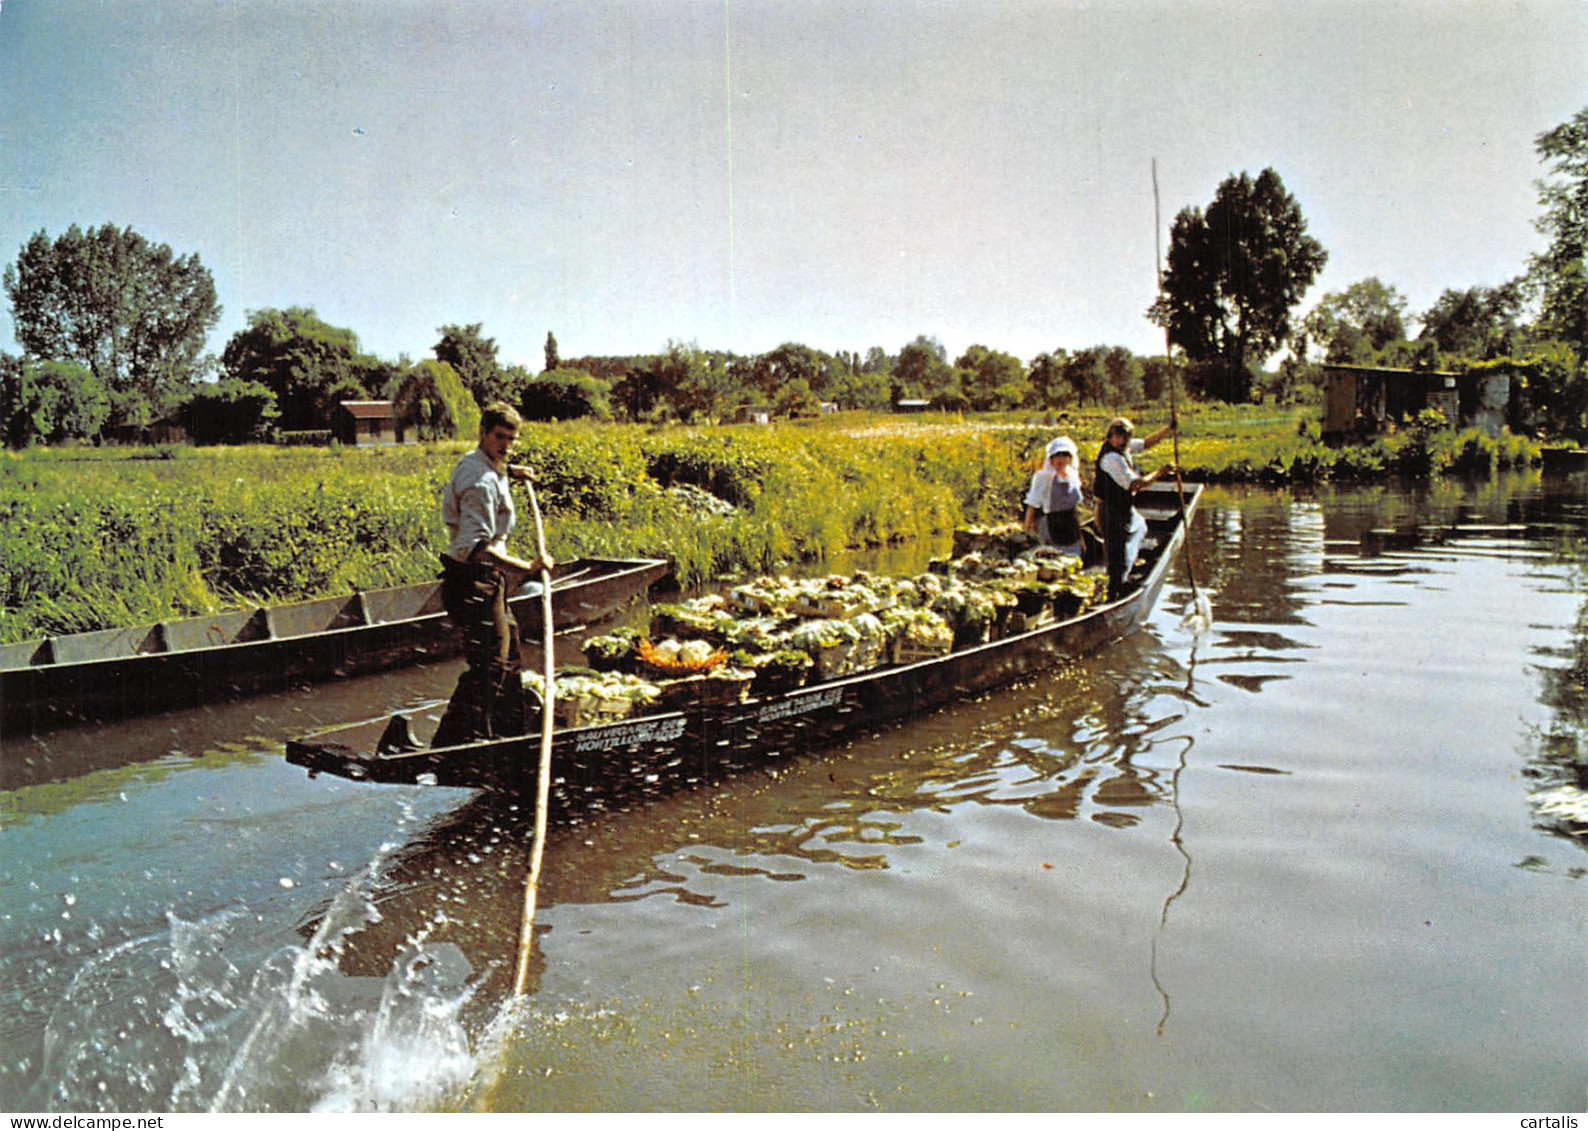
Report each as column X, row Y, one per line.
column 685, row 747
column 121, row 673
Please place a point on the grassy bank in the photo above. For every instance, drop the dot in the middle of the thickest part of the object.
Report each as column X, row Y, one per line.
column 91, row 541
column 1257, row 444
column 100, row 538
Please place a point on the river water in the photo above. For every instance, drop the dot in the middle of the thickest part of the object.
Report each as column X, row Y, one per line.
column 1321, row 857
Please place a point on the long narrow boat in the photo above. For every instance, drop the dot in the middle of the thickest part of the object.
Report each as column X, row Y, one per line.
column 691, row 745
column 121, row 672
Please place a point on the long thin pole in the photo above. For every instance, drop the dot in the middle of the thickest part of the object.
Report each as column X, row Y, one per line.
column 526, row 928
column 1174, row 409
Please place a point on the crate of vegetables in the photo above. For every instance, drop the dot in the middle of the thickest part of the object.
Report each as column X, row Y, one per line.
column 695, row 619
column 775, row 672
column 864, row 650
column 718, row 688
column 916, row 634
column 585, row 698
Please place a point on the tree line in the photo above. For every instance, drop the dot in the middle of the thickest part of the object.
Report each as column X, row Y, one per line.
column 113, row 328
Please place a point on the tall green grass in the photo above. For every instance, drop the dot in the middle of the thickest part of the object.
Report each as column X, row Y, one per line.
column 100, row 538
column 97, row 542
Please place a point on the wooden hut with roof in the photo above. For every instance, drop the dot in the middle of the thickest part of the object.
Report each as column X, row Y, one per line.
column 1361, row 400
column 366, row 423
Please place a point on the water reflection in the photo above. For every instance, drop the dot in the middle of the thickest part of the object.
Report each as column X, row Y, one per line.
column 1077, row 752
column 1558, row 768
column 176, row 739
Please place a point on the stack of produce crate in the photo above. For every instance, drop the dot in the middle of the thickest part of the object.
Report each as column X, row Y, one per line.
column 772, row 633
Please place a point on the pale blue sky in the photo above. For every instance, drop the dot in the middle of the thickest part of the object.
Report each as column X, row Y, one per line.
column 742, row 174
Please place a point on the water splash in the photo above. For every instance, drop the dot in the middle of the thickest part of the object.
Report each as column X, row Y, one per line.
column 409, row 1050
column 415, row 1054
column 213, row 1012
column 1198, row 616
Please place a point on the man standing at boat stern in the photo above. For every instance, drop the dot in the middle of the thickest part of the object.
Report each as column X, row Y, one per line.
column 1115, row 484
column 477, row 576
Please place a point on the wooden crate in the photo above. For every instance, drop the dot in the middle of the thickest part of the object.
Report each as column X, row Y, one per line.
column 588, row 710
column 839, row 660
column 903, row 650
column 711, row 690
column 1027, row 622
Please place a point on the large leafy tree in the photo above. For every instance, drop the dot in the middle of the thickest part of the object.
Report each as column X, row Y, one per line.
column 923, row 370
column 1234, row 274
column 705, row 390
column 1560, row 274
column 1084, row 375
column 649, row 389
column 1102, row 375
column 991, row 379
column 860, row 387
column 1476, row 323
column 795, row 398
column 1048, row 385
column 133, row 312
column 1123, row 375
column 791, row 362
column 308, row 364
column 473, row 357
column 1355, row 324
column 1156, row 375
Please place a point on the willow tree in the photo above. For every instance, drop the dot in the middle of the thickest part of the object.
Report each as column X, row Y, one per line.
column 432, row 400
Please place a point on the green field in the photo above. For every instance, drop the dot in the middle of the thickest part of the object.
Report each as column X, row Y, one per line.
column 101, row 537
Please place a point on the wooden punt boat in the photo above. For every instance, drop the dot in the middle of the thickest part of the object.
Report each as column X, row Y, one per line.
column 121, row 672
column 692, row 745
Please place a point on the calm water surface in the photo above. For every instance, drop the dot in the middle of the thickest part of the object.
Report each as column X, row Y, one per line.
column 1322, row 857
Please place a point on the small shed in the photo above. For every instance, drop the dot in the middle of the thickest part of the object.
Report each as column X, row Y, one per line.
column 167, row 431
column 911, row 404
column 1361, row 399
column 752, row 414
column 365, row 423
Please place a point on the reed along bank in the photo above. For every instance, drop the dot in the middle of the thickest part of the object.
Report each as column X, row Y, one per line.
column 106, row 537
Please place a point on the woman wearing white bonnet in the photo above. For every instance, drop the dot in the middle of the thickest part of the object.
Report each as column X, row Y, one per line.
column 1055, row 493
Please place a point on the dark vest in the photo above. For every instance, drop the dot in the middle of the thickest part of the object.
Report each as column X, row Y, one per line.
column 1114, row 503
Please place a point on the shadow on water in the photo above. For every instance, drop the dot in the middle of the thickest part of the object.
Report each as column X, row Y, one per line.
column 1558, row 766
